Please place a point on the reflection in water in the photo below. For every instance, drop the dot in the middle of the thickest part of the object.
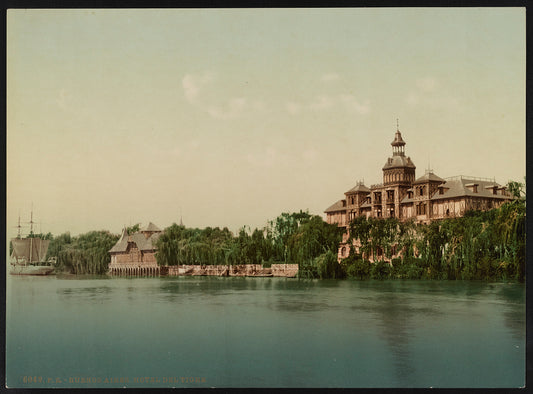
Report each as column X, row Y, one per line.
column 289, row 305
column 397, row 312
column 515, row 309
column 248, row 332
column 85, row 294
column 396, row 324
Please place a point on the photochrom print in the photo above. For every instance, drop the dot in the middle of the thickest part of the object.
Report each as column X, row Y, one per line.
column 286, row 198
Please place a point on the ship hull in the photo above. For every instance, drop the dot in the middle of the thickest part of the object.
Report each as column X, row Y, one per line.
column 31, row 270
column 28, row 257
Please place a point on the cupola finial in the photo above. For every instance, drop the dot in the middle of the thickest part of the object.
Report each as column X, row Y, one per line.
column 398, row 143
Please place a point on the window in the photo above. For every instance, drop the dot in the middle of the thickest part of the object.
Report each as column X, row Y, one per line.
column 421, row 209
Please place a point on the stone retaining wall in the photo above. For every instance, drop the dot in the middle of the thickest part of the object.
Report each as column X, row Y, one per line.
column 286, row 270
column 283, row 270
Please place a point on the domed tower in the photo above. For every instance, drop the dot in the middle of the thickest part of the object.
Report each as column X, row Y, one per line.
column 399, row 169
column 398, row 176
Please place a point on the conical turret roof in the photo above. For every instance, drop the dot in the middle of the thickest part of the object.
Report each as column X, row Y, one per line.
column 150, row 227
column 398, row 140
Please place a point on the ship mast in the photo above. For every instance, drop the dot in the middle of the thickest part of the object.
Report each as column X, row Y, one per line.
column 31, row 233
column 40, row 257
column 19, row 227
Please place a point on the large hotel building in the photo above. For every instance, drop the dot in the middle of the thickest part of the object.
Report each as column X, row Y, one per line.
column 423, row 199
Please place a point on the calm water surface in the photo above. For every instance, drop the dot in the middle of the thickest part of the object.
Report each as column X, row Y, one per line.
column 263, row 332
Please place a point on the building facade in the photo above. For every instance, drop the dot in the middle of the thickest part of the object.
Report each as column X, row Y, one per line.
column 135, row 254
column 405, row 197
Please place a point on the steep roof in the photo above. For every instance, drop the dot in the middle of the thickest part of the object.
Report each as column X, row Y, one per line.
column 143, row 243
column 429, row 177
column 399, row 161
column 150, row 227
column 122, row 243
column 338, row 206
column 458, row 188
column 359, row 188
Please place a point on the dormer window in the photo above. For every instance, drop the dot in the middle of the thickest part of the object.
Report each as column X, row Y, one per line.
column 494, row 188
column 473, row 187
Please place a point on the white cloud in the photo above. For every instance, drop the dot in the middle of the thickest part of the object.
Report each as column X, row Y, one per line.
column 322, row 102
column 347, row 102
column 412, row 98
column 292, row 107
column 427, row 84
column 193, row 144
column 258, row 105
column 330, row 77
column 193, row 84
column 426, row 94
column 267, row 158
column 182, row 150
column 234, row 108
column 63, row 99
column 352, row 104
column 226, row 108
column 309, row 154
column 176, row 151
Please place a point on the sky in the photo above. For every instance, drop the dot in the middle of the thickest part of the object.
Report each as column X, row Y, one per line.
column 229, row 117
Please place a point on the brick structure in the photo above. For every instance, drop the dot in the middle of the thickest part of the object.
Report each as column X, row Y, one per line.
column 135, row 254
column 405, row 197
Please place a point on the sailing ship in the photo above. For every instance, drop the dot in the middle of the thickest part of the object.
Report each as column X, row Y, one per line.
column 29, row 254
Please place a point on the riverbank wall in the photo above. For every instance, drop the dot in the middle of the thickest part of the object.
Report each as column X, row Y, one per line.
column 276, row 270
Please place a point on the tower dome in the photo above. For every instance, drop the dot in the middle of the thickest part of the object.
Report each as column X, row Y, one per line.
column 399, row 169
column 398, row 143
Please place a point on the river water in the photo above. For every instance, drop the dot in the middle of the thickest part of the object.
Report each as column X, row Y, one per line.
column 262, row 332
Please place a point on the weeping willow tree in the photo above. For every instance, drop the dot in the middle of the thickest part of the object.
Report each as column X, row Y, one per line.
column 179, row 245
column 85, row 254
column 377, row 237
column 481, row 245
column 297, row 238
column 313, row 246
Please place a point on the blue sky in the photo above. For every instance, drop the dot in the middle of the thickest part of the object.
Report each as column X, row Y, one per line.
column 230, row 117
